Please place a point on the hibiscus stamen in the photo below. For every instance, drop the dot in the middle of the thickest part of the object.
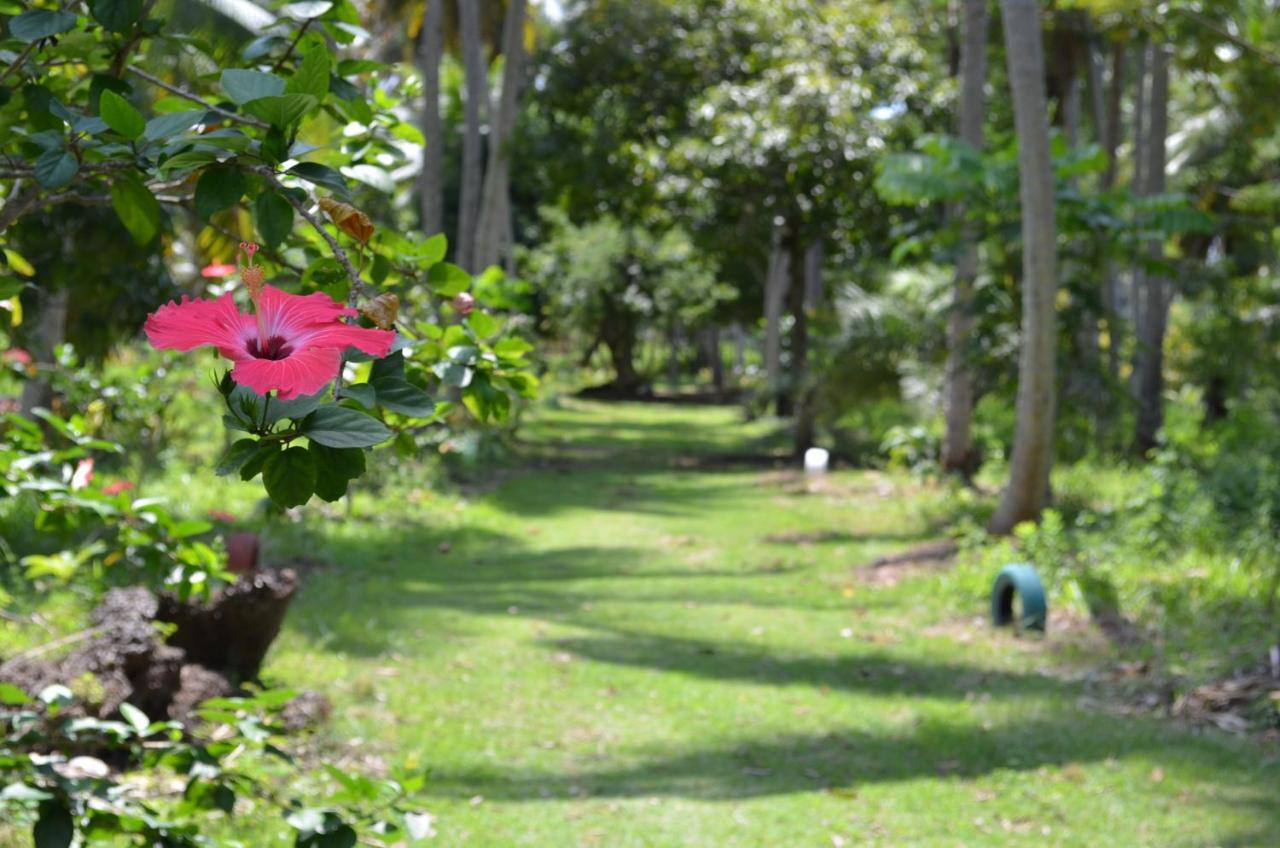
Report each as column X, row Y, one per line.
column 254, row 278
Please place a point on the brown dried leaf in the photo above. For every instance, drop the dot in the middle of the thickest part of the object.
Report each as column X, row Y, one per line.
column 382, row 310
column 349, row 219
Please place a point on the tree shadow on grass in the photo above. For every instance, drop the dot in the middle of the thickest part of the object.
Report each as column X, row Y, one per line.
column 384, row 586
column 871, row 672
column 847, row 758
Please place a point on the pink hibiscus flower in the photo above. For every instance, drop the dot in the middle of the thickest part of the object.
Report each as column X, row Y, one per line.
column 83, row 475
column 117, row 487
column 218, row 269
column 291, row 343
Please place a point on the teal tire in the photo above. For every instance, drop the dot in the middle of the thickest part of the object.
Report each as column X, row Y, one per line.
column 1020, row 580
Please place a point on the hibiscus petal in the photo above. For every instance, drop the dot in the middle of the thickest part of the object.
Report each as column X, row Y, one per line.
column 302, row 373
column 342, row 336
column 287, row 315
column 196, row 323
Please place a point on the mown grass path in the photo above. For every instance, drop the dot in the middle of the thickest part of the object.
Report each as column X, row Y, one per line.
column 628, row 645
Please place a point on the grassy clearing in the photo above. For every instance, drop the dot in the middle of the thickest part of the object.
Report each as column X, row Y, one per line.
column 609, row 649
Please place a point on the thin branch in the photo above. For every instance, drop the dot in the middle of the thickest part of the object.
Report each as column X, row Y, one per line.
column 1243, row 43
column 186, row 95
column 302, row 30
column 29, row 49
column 357, row 285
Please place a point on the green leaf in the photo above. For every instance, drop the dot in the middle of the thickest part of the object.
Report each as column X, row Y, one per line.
column 137, row 718
column 56, row 167
column 391, row 365
column 283, row 110
column 335, row 468
column 54, row 828
column 295, row 408
column 219, row 187
column 240, row 452
column 242, row 85
column 322, row 175
column 482, row 324
column 12, row 696
column 290, row 477
column 120, row 115
column 273, row 216
column 448, row 279
column 340, row 427
column 361, row 393
column 40, row 23
column 434, row 249
column 116, row 15
column 306, row 9
column 137, row 208
column 312, row 76
column 512, row 348
column 167, row 126
column 399, row 395
column 256, row 462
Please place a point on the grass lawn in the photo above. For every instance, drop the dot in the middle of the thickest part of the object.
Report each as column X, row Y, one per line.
column 631, row 644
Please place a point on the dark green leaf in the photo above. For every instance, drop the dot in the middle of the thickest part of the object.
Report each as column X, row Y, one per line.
column 340, row 427
column 137, row 208
column 391, row 365
column 273, row 216
column 167, row 126
column 55, row 168
column 256, row 462
column 283, row 110
column 298, row 407
column 242, row 85
column 54, row 828
column 240, row 452
column 120, row 115
column 399, row 395
column 290, row 477
column 335, row 468
column 40, row 23
column 361, row 393
column 454, row 373
column 321, row 175
column 219, row 187
column 312, row 76
column 116, row 15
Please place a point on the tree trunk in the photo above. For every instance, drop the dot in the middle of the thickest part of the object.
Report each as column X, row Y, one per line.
column 494, row 198
column 1149, row 364
column 1138, row 185
column 799, row 391
column 716, row 358
column 957, row 396
column 619, row 336
column 1028, row 488
column 474, row 108
column 775, row 295
column 431, row 181
column 739, row 350
column 50, row 331
column 1109, row 132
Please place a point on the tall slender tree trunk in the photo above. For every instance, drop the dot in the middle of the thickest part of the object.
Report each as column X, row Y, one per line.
column 799, row 391
column 957, row 395
column 474, row 108
column 48, row 331
column 1149, row 359
column 431, row 182
column 1140, row 150
column 1107, row 119
column 775, row 295
column 495, row 196
column 1027, row 491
